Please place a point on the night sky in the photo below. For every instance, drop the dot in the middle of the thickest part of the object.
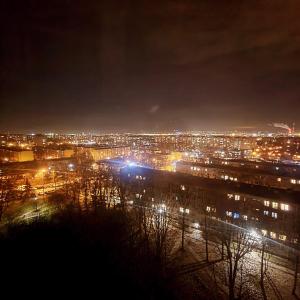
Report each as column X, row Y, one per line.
column 135, row 65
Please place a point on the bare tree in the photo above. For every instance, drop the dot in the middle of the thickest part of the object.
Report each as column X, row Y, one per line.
column 264, row 262
column 7, row 193
column 237, row 243
column 296, row 274
column 183, row 195
column 161, row 224
column 204, row 201
column 27, row 192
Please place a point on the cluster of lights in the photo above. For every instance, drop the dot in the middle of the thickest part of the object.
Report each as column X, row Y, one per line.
column 184, row 210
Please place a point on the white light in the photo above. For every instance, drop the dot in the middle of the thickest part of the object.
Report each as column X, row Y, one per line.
column 130, row 163
column 196, row 225
column 254, row 234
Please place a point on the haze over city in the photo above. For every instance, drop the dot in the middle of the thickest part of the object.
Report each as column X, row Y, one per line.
column 148, row 65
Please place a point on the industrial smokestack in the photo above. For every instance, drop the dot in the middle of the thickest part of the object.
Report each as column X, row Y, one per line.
column 284, row 126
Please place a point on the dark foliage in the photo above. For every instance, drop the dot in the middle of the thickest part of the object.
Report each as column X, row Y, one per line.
column 92, row 254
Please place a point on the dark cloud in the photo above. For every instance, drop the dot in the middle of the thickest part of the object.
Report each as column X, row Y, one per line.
column 141, row 64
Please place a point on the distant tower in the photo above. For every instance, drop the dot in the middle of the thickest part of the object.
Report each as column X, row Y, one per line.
column 293, row 128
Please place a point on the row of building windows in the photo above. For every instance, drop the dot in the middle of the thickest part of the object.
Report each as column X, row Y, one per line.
column 226, row 177
column 138, row 177
column 275, row 205
column 295, row 181
column 236, row 215
column 274, row 235
column 273, row 214
column 236, row 197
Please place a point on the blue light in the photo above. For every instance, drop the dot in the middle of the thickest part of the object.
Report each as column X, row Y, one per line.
column 236, row 215
column 130, row 163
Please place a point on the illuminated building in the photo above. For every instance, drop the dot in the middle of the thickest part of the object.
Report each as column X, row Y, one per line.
column 15, row 155
column 103, row 152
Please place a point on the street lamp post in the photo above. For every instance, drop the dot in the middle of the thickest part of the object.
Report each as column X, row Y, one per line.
column 183, row 212
column 36, row 204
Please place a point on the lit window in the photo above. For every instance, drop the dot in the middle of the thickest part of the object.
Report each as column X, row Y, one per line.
column 293, row 181
column 264, row 232
column 275, row 205
column 228, row 213
column 273, row 235
column 208, row 209
column 274, row 215
column 284, row 206
column 266, row 203
column 245, row 217
column 236, row 215
column 282, row 237
column 237, row 197
column 230, row 196
column 266, row 212
column 279, row 179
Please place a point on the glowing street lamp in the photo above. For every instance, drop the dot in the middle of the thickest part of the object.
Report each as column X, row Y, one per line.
column 71, row 166
column 254, row 235
column 197, row 225
column 36, row 203
column 162, row 208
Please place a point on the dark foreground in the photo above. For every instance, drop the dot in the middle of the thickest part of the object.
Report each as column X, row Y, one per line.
column 93, row 254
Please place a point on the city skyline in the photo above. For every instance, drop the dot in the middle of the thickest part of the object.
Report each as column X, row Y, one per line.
column 150, row 149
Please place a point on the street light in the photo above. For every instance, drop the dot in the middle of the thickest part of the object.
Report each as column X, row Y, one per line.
column 162, row 208
column 36, row 203
column 254, row 234
column 183, row 211
column 197, row 225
